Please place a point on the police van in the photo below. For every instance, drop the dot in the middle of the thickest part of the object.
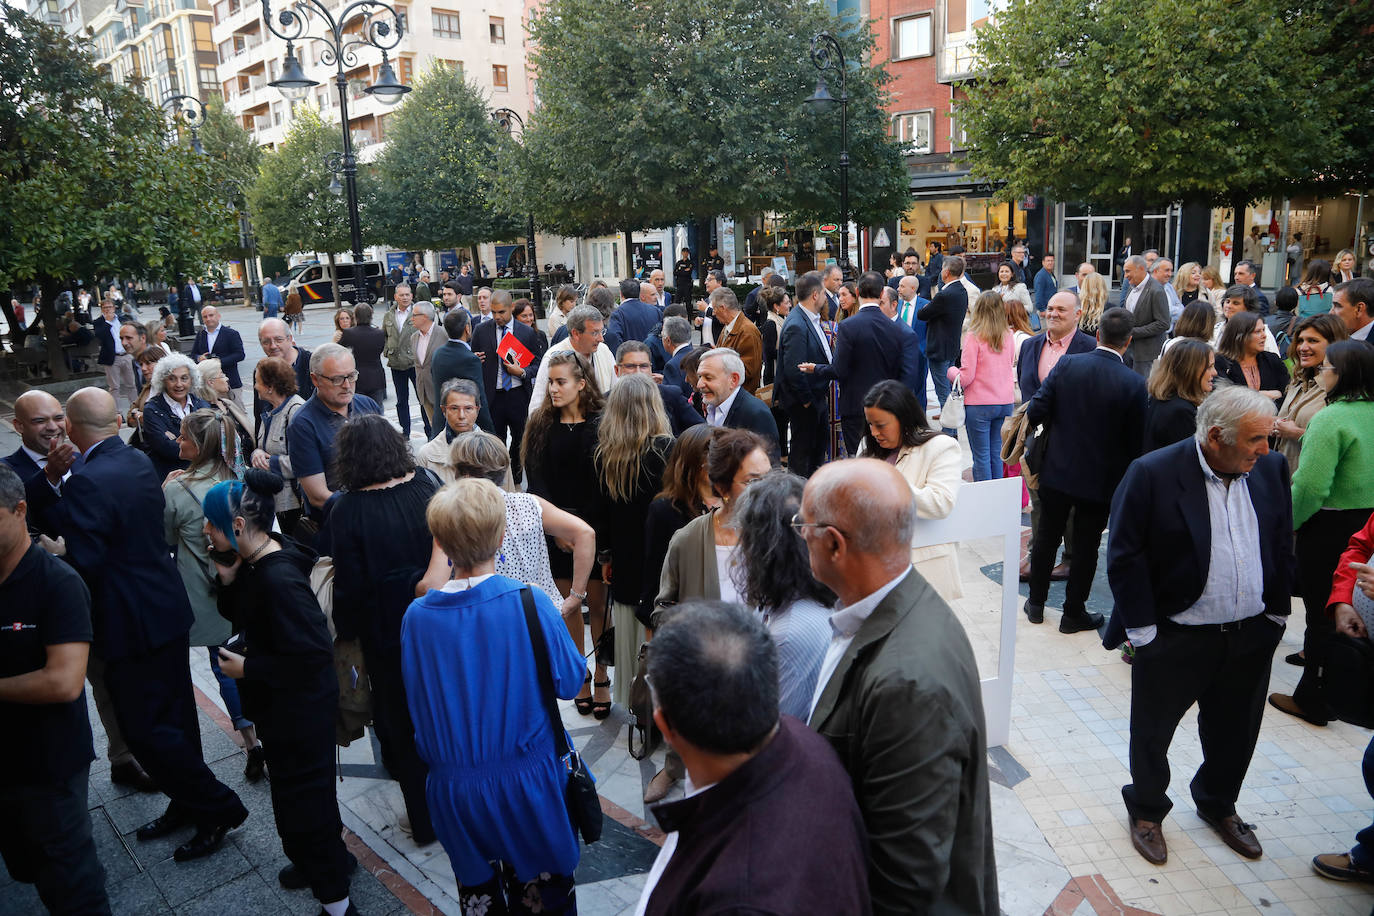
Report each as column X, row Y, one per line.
column 315, row 282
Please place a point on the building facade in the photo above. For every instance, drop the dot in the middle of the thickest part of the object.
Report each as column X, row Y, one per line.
column 159, row 47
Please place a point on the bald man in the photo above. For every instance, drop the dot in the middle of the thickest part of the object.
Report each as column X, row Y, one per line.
column 898, row 697
column 44, row 458
column 276, row 340
column 216, row 340
column 142, row 621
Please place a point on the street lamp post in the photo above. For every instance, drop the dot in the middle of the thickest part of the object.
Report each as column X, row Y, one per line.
column 826, row 55
column 189, row 109
column 508, row 120
column 374, row 30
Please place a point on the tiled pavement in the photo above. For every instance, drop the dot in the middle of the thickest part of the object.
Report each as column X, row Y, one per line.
column 1059, row 824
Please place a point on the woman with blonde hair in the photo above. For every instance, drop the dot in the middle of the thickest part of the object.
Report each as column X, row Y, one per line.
column 214, row 390
column 985, row 372
column 1178, row 383
column 1092, row 296
column 1213, row 287
column 1343, row 267
column 157, row 337
column 1188, row 282
column 631, row 454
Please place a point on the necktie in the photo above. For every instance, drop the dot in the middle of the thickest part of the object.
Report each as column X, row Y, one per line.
column 505, row 378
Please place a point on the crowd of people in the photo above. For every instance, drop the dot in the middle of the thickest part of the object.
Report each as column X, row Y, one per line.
column 580, row 492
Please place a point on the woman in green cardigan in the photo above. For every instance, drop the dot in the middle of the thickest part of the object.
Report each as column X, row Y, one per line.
column 1332, row 499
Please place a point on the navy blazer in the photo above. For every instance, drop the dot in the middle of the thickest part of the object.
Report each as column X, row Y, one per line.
column 1160, row 545
column 1028, row 363
column 1094, row 408
column 484, row 341
column 912, row 360
column 160, row 430
column 748, row 412
column 672, row 370
column 633, row 319
column 799, row 343
column 944, row 318
column 105, row 333
column 108, row 516
column 455, row 360
column 228, row 350
column 681, row 414
column 37, row 491
column 658, row 354
column 867, row 351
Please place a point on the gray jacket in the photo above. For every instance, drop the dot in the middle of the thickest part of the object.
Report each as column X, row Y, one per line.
column 1152, row 322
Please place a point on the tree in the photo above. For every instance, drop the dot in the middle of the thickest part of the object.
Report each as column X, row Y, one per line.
column 237, row 158
column 651, row 115
column 88, row 187
column 434, row 181
column 1133, row 104
column 290, row 203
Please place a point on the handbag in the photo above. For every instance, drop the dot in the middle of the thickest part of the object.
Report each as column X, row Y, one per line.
column 1349, row 676
column 642, row 710
column 354, row 712
column 952, row 411
column 765, row 394
column 584, row 807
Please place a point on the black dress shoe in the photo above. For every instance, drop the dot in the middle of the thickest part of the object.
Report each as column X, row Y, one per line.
column 351, row 911
column 172, row 819
column 1035, row 613
column 207, row 839
column 131, row 774
column 257, row 764
column 1077, row 623
column 292, row 878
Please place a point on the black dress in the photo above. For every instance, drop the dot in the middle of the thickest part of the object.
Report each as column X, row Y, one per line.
column 290, row 691
column 620, row 525
column 663, row 520
column 566, row 476
column 381, row 544
column 1273, row 374
column 1167, row 422
column 366, row 342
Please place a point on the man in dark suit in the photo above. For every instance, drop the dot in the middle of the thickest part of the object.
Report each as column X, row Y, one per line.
column 635, row 317
column 633, row 357
column 804, row 395
column 936, row 262
column 866, row 352
column 682, row 277
column 101, row 514
column 662, row 298
column 897, row 653
column 720, row 375
column 1094, row 410
column 1247, row 272
column 1149, row 307
column 833, row 278
column 1200, row 562
column 1353, row 303
column 219, row 341
column 740, row 334
column 911, row 265
column 901, row 309
column 455, row 359
column 507, row 385
column 944, row 318
column 677, row 342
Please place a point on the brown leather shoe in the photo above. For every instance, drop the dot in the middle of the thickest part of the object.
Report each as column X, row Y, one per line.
column 1239, row 835
column 1148, row 839
column 1060, row 573
column 659, row 786
column 1284, row 703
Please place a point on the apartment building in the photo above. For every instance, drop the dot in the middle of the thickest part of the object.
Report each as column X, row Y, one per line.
column 159, row 47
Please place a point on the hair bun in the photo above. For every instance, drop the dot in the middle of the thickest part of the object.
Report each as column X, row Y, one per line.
column 263, row 482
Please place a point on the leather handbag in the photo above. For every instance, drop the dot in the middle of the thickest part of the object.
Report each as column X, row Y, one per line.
column 642, row 710
column 584, row 807
column 952, row 411
column 1349, row 676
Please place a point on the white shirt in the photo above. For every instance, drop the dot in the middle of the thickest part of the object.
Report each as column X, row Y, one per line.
column 114, row 327
column 195, row 292
column 1134, row 296
column 41, row 460
column 462, row 585
column 180, row 411
column 845, row 622
column 210, row 338
column 970, row 287
column 1362, row 333
column 715, row 416
column 815, row 320
column 665, row 853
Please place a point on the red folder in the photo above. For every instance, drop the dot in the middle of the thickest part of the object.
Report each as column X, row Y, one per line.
column 509, row 344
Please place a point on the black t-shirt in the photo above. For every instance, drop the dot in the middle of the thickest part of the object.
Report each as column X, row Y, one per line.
column 42, row 603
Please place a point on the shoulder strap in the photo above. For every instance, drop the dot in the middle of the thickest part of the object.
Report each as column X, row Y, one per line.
column 541, row 665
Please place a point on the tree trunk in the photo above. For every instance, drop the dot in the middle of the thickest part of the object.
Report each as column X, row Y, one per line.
column 476, row 268
column 47, row 311
column 1238, row 233
column 12, row 322
column 333, row 272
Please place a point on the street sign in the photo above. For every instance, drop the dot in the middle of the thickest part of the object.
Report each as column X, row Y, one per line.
column 881, row 240
column 829, row 227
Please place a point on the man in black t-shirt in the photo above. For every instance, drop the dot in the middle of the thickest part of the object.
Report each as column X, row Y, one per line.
column 45, row 637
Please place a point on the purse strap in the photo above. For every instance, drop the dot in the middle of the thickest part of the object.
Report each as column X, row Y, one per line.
column 541, row 665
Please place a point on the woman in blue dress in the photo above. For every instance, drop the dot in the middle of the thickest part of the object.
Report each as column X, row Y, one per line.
column 496, row 785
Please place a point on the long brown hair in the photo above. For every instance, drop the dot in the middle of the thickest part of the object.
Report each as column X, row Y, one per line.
column 686, row 467
column 532, row 447
column 1178, row 373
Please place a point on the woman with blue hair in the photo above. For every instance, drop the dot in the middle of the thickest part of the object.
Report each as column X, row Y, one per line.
column 284, row 662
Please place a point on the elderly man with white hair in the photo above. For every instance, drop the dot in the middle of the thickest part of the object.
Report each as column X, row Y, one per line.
column 720, row 377
column 429, row 336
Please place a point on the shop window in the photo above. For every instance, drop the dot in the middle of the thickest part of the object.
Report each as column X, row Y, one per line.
column 911, row 37
column 500, row 78
column 914, row 130
column 445, row 23
column 497, row 25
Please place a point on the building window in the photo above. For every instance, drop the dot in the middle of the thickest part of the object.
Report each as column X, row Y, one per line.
column 911, row 37
column 455, row 65
column 207, row 76
column 499, row 78
column 958, row 139
column 446, row 24
column 914, row 130
column 498, row 30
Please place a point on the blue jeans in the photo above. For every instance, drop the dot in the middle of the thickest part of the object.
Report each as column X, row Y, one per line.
column 938, row 374
column 1362, row 855
column 984, row 425
column 228, row 691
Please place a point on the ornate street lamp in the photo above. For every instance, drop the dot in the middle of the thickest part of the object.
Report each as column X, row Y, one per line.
column 188, row 109
column 827, row 56
column 380, row 26
column 508, row 121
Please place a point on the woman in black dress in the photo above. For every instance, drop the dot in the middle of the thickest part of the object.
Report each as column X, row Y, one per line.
column 1242, row 343
column 1179, row 382
column 686, row 494
column 558, row 453
column 285, row 674
column 366, row 342
column 377, row 535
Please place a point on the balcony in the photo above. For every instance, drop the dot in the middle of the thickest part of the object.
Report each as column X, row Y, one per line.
column 955, row 55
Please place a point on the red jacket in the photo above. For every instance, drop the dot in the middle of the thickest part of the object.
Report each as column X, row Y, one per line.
column 1359, row 549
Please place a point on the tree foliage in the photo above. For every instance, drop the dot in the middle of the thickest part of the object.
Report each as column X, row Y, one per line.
column 236, row 157
column 89, row 188
column 1127, row 103
column 653, row 114
column 434, row 180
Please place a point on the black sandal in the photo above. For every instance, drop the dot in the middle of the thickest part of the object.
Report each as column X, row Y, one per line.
column 584, row 705
column 601, row 709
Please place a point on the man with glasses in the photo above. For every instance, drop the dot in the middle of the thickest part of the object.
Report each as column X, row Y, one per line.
column 586, row 336
column 276, row 341
column 313, row 428
column 633, row 357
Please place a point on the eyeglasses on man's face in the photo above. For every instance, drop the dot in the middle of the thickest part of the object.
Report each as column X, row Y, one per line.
column 338, row 381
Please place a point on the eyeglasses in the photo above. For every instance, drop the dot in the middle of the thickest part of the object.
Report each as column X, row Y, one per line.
column 338, row 381
column 798, row 525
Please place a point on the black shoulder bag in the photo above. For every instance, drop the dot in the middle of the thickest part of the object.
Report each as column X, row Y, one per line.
column 584, row 807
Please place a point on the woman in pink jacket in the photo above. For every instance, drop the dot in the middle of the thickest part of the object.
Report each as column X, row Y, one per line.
column 985, row 372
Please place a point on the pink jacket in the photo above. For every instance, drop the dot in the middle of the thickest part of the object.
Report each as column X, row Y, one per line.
column 987, row 376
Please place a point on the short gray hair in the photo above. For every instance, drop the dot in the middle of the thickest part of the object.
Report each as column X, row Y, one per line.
column 580, row 315
column 1226, row 408
column 1162, row 261
column 725, row 296
column 728, row 358
column 399, row 285
column 954, row 264
column 678, row 330
column 327, row 351
column 11, row 488
column 1134, row 260
column 461, row 386
column 426, row 308
column 166, row 365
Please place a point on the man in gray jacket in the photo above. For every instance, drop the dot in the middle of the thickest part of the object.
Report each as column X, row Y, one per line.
column 399, row 353
column 1149, row 305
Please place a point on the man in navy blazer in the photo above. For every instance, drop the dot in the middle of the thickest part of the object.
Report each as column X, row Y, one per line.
column 633, row 357
column 944, row 318
column 1094, row 411
column 720, row 377
column 102, row 515
column 677, row 342
column 455, row 359
column 44, row 459
column 1203, row 612
column 866, row 352
column 507, row 386
column 804, row 396
column 221, row 342
column 635, row 317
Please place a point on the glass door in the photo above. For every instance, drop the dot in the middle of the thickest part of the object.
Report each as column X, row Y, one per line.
column 1102, row 246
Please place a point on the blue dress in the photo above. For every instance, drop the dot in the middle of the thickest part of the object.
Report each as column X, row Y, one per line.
column 495, row 787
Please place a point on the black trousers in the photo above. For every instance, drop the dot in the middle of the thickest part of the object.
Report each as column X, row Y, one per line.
column 1035, row 526
column 1320, row 542
column 396, row 733
column 322, row 857
column 1090, row 520
column 156, row 709
column 45, row 838
column 509, row 410
column 400, row 378
column 852, row 427
column 809, row 432
column 1227, row 675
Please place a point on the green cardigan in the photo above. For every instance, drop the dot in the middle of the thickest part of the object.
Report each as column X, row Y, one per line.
column 1337, row 469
